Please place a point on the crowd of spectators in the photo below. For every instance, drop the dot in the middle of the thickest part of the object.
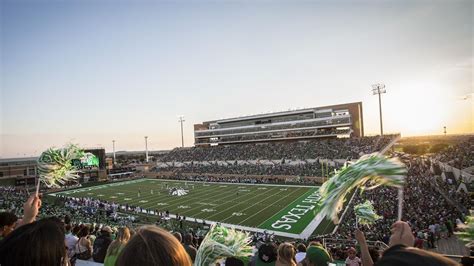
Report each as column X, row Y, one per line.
column 81, row 210
column 80, row 229
column 57, row 241
column 460, row 155
column 302, row 169
column 106, row 242
column 452, row 191
column 238, row 179
column 430, row 215
column 327, row 148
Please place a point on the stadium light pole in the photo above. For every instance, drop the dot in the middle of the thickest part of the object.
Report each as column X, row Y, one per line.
column 181, row 120
column 113, row 149
column 379, row 89
column 146, row 148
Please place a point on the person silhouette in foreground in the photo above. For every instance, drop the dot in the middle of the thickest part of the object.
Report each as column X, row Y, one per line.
column 401, row 250
column 35, row 242
column 153, row 246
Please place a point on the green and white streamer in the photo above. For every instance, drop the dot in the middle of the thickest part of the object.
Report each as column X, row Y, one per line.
column 365, row 213
column 221, row 242
column 467, row 231
column 55, row 166
column 370, row 170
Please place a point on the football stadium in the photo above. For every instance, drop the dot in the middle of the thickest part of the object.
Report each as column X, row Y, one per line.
column 98, row 169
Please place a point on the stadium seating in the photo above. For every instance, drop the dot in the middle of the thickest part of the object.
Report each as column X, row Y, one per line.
column 429, row 208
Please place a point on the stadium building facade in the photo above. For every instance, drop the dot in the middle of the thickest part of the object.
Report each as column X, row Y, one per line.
column 342, row 120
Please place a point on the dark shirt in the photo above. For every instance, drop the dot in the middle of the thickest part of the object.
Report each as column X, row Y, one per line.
column 101, row 244
column 401, row 255
column 191, row 251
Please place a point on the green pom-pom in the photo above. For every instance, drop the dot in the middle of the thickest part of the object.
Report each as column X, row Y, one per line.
column 365, row 213
column 373, row 170
column 55, row 166
column 221, row 242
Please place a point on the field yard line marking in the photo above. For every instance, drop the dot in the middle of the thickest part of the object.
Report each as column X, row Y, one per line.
column 81, row 189
column 272, row 205
column 305, row 194
column 136, row 201
column 193, row 199
column 165, row 198
column 247, row 200
column 247, row 228
column 220, row 199
column 232, row 195
column 131, row 191
column 153, row 201
column 269, row 207
column 257, row 195
column 250, row 198
column 114, row 187
column 162, row 198
column 174, row 202
column 205, row 191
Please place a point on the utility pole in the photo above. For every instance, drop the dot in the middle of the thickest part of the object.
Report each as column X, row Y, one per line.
column 445, row 131
column 146, row 148
column 113, row 150
column 181, row 120
column 379, row 89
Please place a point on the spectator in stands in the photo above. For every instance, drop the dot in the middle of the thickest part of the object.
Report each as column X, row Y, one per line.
column 189, row 246
column 37, row 243
column 30, row 209
column 286, row 255
column 334, row 148
column 420, row 195
column 266, row 255
column 123, row 235
column 153, row 246
column 101, row 244
column 83, row 247
column 7, row 223
column 232, row 261
column 71, row 241
column 316, row 256
column 401, row 250
column 374, row 254
column 352, row 259
column 467, row 261
column 301, row 252
column 459, row 155
column 178, row 236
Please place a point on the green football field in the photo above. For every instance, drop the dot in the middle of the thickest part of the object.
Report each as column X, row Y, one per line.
column 282, row 209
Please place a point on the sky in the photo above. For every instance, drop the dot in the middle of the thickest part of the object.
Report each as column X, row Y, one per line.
column 92, row 71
